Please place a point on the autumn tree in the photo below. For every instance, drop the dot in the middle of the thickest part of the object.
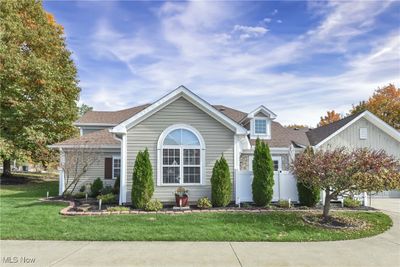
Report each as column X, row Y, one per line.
column 339, row 172
column 331, row 116
column 384, row 103
column 38, row 83
column 83, row 109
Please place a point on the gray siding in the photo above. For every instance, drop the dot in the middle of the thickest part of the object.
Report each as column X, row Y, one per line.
column 377, row 139
column 218, row 139
column 96, row 170
column 91, row 129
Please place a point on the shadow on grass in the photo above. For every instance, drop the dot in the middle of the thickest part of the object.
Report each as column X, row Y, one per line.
column 30, row 190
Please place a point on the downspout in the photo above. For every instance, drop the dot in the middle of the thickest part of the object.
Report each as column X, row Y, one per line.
column 122, row 178
column 61, row 182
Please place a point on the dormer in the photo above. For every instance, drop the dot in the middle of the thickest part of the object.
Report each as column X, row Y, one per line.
column 260, row 123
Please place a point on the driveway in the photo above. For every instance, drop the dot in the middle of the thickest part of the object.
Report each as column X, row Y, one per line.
column 381, row 250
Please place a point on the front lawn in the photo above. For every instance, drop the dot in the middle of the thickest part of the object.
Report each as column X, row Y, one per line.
column 22, row 216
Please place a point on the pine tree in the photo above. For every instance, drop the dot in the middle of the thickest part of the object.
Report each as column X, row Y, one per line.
column 263, row 171
column 142, row 179
column 221, row 184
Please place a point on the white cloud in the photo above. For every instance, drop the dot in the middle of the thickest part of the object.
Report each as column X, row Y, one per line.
column 247, row 32
column 279, row 21
column 274, row 12
column 267, row 20
column 195, row 50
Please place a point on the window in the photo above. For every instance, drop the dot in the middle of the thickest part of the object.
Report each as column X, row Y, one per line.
column 363, row 133
column 181, row 158
column 116, row 167
column 276, row 165
column 260, row 126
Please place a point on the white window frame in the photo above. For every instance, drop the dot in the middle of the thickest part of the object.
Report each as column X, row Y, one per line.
column 113, row 176
column 160, row 148
column 363, row 132
column 254, row 135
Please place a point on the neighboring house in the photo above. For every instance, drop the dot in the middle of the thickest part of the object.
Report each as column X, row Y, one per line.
column 185, row 135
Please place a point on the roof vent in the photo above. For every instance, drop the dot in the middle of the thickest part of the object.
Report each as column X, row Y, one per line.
column 296, row 128
column 221, row 109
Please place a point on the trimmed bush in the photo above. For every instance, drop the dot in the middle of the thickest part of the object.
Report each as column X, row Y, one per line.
column 142, row 178
column 263, row 171
column 351, row 203
column 116, row 186
column 204, row 203
column 153, row 205
column 83, row 188
column 308, row 195
column 96, row 187
column 283, row 203
column 107, row 190
column 221, row 184
column 107, row 199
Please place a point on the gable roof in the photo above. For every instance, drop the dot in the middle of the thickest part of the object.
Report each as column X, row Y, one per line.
column 263, row 110
column 318, row 134
column 322, row 134
column 181, row 91
column 101, row 138
column 110, row 118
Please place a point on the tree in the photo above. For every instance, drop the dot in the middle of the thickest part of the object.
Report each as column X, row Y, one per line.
column 38, row 83
column 142, row 180
column 76, row 162
column 339, row 172
column 331, row 116
column 221, row 184
column 384, row 103
column 83, row 109
column 309, row 195
column 263, row 171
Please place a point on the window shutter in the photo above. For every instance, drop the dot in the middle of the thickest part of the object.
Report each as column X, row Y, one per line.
column 108, row 168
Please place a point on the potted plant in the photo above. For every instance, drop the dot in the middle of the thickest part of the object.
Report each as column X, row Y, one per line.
column 181, row 197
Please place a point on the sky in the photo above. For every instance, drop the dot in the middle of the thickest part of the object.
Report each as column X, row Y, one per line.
column 298, row 58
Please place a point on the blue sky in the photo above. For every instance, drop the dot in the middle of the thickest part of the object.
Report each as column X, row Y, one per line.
column 298, row 58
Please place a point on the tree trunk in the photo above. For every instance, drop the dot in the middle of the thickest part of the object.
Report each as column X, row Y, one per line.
column 327, row 205
column 6, row 168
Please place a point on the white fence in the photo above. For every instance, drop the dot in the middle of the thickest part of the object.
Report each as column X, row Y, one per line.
column 284, row 188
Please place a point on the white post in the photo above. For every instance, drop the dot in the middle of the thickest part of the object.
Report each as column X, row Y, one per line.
column 86, row 196
column 290, row 202
column 122, row 188
column 99, row 204
column 61, row 185
column 323, row 197
column 365, row 199
column 47, row 195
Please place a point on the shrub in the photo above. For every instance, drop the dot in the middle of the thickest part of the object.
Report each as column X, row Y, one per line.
column 107, row 199
column 283, row 203
column 83, row 188
column 80, row 195
column 351, row 202
column 142, row 178
column 116, row 186
column 96, row 187
column 308, row 195
column 221, row 184
column 204, row 203
column 107, row 190
column 153, row 205
column 117, row 208
column 263, row 171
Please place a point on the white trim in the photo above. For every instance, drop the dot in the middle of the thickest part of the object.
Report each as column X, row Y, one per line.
column 254, row 135
column 83, row 146
column 160, row 147
column 263, row 110
column 181, row 91
column 113, row 176
column 371, row 118
column 77, row 124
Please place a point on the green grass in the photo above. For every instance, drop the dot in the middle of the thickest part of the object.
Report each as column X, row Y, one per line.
column 22, row 216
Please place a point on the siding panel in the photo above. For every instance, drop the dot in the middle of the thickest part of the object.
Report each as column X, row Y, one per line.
column 377, row 139
column 218, row 139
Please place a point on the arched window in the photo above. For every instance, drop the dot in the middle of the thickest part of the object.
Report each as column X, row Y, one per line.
column 181, row 152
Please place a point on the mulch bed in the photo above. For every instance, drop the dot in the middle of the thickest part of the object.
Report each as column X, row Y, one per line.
column 335, row 222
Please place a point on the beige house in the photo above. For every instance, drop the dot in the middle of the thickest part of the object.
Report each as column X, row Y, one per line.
column 185, row 135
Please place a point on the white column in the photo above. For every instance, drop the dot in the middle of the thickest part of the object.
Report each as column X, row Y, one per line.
column 365, row 199
column 61, row 182
column 123, row 180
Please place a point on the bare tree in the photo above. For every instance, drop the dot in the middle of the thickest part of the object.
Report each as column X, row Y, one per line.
column 76, row 162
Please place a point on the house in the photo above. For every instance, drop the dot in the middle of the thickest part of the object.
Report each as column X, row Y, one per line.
column 185, row 135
